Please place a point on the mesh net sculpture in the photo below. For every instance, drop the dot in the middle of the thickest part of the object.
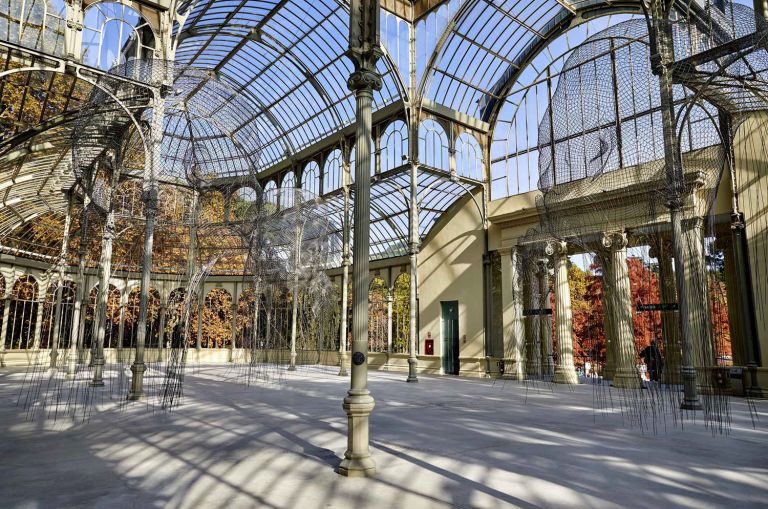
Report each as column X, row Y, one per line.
column 608, row 186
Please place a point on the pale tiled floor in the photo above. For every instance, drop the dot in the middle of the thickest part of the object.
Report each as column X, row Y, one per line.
column 444, row 442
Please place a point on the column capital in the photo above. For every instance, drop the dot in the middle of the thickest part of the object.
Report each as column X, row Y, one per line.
column 615, row 241
column 364, row 80
column 556, row 248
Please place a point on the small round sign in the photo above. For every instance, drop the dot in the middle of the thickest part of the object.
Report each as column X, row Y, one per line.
column 358, row 358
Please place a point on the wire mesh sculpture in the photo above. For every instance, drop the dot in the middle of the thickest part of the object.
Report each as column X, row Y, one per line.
column 606, row 187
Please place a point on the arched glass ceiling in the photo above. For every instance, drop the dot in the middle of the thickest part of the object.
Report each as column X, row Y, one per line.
column 288, row 57
column 488, row 42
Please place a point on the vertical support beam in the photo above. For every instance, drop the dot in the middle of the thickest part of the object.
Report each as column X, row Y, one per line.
column 295, row 291
column 670, row 320
column 121, row 326
column 364, row 51
column 663, row 58
column 617, row 290
column 233, row 343
column 100, row 317
column 78, row 316
column 151, row 173
column 413, row 205
column 6, row 317
column 200, row 311
column 545, row 325
column 161, row 331
column 565, row 372
column 42, row 292
column 59, row 315
column 390, row 299
column 73, row 31
column 344, row 276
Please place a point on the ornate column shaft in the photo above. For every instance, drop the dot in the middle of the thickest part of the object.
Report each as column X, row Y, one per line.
column 610, row 330
column 545, row 326
column 565, row 372
column 390, row 299
column 295, row 295
column 413, row 209
column 151, row 173
column 514, row 324
column 6, row 316
column 78, row 316
column 42, row 292
column 676, row 190
column 344, row 288
column 233, row 343
column 532, row 323
column 364, row 51
column 670, row 320
column 58, row 314
column 102, row 297
column 617, row 290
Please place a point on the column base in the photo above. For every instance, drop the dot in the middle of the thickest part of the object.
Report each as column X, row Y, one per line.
column 357, row 460
column 136, row 392
column 359, row 467
column 566, row 375
column 627, row 379
column 412, row 364
column 690, row 405
column 98, row 370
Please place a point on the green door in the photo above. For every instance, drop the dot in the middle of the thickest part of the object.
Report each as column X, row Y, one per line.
column 450, row 319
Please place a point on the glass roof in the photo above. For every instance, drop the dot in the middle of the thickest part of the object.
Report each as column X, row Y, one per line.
column 288, row 58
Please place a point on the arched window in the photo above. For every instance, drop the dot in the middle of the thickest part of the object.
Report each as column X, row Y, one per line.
column 22, row 314
column 377, row 315
column 64, row 316
column 246, row 319
column 217, row 319
column 288, row 190
column 131, row 318
column 333, row 178
column 113, row 34
column 353, row 161
column 401, row 313
column 433, row 145
column 310, row 178
column 394, row 145
column 181, row 319
column 270, row 196
column 241, row 204
column 112, row 324
column 469, row 157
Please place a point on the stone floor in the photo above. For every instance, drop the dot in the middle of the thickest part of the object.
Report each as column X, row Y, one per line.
column 444, row 442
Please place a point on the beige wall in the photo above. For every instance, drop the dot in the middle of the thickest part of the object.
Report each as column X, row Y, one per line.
column 451, row 268
column 752, row 185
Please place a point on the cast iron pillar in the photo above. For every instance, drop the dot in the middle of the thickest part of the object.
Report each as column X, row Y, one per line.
column 151, row 172
column 364, row 51
column 413, row 209
column 59, row 315
column 662, row 59
column 78, row 316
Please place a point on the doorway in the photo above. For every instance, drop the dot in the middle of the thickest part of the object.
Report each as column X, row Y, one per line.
column 450, row 320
